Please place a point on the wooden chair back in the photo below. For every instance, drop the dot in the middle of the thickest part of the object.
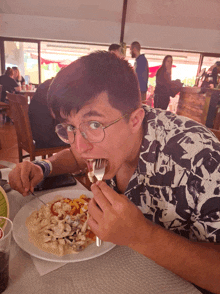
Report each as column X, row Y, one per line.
column 19, row 109
column 4, row 107
column 216, row 133
column 1, row 92
column 216, row 124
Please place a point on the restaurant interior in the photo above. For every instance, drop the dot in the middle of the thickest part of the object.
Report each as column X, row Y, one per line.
column 42, row 37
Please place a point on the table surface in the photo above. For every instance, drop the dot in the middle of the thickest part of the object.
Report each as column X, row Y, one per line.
column 121, row 270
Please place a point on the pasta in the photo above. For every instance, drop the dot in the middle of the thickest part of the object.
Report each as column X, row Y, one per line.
column 61, row 227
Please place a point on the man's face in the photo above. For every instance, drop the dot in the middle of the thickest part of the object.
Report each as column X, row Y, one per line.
column 114, row 147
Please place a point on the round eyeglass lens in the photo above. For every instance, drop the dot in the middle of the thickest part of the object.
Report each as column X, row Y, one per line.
column 92, row 131
column 61, row 131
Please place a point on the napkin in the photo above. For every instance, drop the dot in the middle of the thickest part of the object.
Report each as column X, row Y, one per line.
column 44, row 267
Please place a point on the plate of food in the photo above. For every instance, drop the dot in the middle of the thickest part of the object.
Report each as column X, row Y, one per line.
column 58, row 231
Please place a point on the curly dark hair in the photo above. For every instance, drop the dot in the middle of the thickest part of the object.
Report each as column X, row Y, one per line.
column 86, row 78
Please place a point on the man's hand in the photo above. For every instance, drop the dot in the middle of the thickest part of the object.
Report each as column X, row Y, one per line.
column 113, row 217
column 25, row 176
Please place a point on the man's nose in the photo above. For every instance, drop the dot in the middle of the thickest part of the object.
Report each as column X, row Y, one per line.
column 81, row 144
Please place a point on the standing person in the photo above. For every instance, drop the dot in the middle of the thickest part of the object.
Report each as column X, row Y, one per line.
column 17, row 76
column 41, row 120
column 141, row 68
column 8, row 83
column 116, row 49
column 165, row 87
column 211, row 77
column 160, row 194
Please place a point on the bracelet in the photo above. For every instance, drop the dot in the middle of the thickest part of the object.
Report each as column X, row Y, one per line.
column 45, row 165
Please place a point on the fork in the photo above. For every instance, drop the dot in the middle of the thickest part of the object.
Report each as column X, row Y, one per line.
column 99, row 168
column 99, row 171
column 38, row 198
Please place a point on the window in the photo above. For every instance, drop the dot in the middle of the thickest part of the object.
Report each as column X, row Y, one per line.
column 24, row 55
column 56, row 55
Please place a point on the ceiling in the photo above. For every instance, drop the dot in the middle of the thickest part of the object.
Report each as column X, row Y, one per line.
column 156, row 23
column 184, row 13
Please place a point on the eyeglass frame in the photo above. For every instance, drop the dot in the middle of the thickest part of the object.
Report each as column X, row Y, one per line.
column 83, row 134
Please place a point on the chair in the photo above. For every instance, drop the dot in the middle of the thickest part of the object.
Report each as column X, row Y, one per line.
column 216, row 133
column 19, row 110
column 216, row 124
column 4, row 107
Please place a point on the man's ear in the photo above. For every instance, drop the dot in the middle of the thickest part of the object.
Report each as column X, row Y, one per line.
column 136, row 119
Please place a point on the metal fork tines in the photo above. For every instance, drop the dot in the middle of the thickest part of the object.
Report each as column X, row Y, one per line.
column 99, row 171
column 99, row 168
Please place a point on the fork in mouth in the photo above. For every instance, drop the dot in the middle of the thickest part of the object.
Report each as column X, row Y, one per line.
column 99, row 168
column 98, row 171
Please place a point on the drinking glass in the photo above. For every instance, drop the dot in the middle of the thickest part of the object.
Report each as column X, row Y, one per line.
column 6, row 226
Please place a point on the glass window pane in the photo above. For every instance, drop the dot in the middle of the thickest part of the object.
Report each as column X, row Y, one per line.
column 24, row 55
column 56, row 55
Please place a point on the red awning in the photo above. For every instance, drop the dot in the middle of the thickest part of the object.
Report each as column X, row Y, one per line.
column 61, row 63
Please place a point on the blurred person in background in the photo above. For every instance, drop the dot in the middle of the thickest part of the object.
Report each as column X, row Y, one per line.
column 41, row 120
column 211, row 77
column 8, row 83
column 17, row 76
column 165, row 87
column 141, row 68
column 116, row 49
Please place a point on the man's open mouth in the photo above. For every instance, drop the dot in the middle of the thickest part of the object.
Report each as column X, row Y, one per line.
column 91, row 163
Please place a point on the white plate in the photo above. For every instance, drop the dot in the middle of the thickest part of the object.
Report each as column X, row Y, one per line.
column 20, row 231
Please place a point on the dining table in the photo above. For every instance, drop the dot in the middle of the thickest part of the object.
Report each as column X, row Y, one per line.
column 119, row 270
column 28, row 93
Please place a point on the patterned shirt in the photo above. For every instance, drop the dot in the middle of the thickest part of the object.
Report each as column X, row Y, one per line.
column 177, row 181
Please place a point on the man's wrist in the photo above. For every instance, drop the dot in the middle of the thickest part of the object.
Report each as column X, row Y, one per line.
column 45, row 165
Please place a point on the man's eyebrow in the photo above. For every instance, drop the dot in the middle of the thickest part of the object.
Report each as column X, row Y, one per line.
column 93, row 113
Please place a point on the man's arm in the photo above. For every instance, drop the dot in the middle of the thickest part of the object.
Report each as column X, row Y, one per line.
column 26, row 175
column 116, row 219
column 66, row 161
column 198, row 263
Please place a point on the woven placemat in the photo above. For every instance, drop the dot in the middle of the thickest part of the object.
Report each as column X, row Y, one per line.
column 119, row 271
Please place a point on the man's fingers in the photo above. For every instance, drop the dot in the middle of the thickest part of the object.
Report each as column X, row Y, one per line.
column 93, row 225
column 94, row 210
column 31, row 175
column 109, row 193
column 24, row 177
column 100, row 197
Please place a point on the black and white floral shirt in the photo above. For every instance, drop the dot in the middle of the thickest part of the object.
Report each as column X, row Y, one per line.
column 177, row 181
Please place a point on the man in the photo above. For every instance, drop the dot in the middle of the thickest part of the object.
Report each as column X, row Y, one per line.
column 41, row 120
column 116, row 49
column 161, row 195
column 141, row 68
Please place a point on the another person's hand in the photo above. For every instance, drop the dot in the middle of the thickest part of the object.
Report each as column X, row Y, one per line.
column 113, row 217
column 25, row 176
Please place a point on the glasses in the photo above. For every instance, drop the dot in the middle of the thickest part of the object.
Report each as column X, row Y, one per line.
column 92, row 131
